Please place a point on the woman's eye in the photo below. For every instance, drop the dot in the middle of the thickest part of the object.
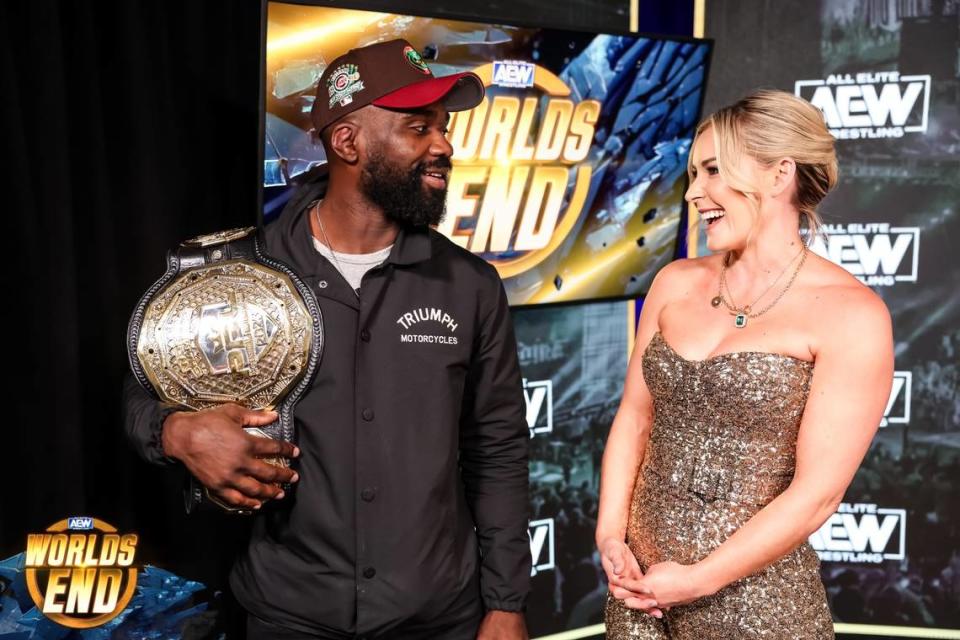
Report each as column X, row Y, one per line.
column 712, row 171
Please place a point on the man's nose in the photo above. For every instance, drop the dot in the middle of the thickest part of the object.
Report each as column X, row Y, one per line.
column 440, row 146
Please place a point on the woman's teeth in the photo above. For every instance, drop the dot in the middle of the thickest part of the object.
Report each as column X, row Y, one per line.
column 712, row 215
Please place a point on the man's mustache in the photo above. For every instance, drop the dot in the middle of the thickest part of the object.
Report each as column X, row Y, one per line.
column 440, row 163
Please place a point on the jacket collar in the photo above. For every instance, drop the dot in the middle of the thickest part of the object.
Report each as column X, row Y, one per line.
column 413, row 244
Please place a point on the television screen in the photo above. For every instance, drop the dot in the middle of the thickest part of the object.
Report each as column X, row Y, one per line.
column 568, row 177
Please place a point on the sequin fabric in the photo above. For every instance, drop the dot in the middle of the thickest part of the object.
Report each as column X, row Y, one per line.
column 723, row 445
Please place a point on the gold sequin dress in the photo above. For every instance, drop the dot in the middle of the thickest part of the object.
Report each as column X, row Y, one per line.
column 723, row 445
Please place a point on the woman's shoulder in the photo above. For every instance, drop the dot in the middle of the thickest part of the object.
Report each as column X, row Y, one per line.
column 681, row 278
column 843, row 303
column 687, row 269
column 838, row 287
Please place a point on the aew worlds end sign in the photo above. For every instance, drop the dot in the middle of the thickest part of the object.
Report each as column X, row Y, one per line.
column 518, row 158
column 80, row 572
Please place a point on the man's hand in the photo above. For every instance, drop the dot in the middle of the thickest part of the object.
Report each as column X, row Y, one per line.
column 620, row 564
column 224, row 458
column 503, row 625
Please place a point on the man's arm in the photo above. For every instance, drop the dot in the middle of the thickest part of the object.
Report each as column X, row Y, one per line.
column 143, row 418
column 211, row 444
column 494, row 456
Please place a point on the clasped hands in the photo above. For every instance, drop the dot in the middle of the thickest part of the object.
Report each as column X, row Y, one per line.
column 664, row 585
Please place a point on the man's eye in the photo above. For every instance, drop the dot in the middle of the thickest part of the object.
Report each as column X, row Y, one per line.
column 421, row 128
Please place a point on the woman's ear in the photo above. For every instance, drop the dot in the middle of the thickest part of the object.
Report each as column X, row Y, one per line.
column 784, row 173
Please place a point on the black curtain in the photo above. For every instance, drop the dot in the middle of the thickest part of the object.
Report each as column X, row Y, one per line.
column 127, row 127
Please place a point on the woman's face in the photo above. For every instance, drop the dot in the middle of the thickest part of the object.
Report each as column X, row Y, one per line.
column 726, row 215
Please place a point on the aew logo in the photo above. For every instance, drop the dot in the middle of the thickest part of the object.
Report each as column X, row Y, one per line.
column 515, row 74
column 539, row 400
column 80, row 523
column 876, row 253
column 880, row 104
column 862, row 533
column 542, row 547
column 898, row 406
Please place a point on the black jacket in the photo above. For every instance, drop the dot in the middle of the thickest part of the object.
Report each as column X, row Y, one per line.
column 411, row 510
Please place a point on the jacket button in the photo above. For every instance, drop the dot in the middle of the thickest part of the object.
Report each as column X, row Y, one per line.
column 365, row 335
column 368, row 495
column 367, row 414
column 369, row 572
column 322, row 284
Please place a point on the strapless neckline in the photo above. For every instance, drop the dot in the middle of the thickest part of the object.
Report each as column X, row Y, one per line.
column 729, row 354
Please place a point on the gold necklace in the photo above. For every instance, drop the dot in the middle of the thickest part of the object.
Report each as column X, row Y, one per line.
column 742, row 313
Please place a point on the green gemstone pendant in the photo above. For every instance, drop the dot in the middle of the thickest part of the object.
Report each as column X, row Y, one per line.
column 740, row 321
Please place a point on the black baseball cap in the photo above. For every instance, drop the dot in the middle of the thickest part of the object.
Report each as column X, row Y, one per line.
column 388, row 74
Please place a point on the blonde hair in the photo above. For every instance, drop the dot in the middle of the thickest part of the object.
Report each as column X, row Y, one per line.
column 769, row 125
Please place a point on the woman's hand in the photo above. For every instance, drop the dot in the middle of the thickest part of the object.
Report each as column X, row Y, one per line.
column 666, row 583
column 619, row 563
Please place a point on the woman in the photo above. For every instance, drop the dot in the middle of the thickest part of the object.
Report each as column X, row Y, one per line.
column 761, row 374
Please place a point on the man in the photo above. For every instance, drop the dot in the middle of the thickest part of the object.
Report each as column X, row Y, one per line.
column 409, row 515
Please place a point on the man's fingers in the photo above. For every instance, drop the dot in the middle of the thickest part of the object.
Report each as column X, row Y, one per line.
column 251, row 418
column 250, row 488
column 247, row 417
column 272, row 448
column 234, row 498
column 270, row 473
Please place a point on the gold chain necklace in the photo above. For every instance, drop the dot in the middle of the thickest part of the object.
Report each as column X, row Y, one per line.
column 742, row 313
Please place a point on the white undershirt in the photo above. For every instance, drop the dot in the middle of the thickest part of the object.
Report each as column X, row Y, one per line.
column 355, row 265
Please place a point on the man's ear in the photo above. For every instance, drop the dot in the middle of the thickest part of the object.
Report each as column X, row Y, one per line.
column 344, row 140
column 783, row 176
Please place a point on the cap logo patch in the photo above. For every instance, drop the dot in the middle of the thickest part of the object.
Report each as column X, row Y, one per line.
column 342, row 84
column 415, row 60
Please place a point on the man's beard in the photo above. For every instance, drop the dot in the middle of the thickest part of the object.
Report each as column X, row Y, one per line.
column 402, row 194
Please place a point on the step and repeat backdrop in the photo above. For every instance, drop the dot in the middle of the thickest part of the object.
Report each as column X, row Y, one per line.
column 886, row 74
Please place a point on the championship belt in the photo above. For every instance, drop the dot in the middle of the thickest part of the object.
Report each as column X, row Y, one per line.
column 227, row 323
